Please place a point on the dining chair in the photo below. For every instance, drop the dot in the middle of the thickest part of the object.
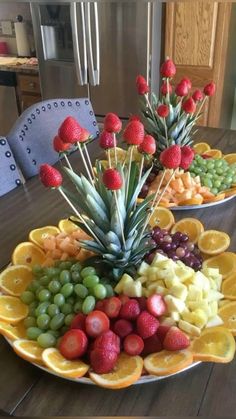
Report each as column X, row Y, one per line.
column 32, row 135
column 10, row 176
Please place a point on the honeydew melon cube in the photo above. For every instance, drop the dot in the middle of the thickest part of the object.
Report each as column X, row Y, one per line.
column 218, row 281
column 174, row 304
column 213, row 284
column 187, row 316
column 142, row 279
column 179, row 291
column 214, row 295
column 125, row 279
column 189, row 328
column 211, row 272
column 158, row 258
column 200, row 281
column 142, row 270
column 215, row 321
column 175, row 316
column 213, row 306
column 203, row 304
column 194, row 293
column 133, row 289
column 199, row 318
column 171, row 282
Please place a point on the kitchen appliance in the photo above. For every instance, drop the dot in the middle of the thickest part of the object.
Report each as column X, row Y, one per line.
column 96, row 50
column 9, row 111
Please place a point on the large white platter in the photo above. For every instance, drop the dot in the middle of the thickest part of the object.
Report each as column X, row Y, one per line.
column 209, row 204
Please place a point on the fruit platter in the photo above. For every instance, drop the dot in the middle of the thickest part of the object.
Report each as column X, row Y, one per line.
column 121, row 293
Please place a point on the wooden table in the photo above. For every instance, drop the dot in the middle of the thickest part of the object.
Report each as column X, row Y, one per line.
column 207, row 389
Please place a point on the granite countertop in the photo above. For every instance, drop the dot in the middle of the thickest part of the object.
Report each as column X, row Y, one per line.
column 19, row 65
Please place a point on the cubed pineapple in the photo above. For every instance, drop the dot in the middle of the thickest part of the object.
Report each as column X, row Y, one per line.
column 152, row 273
column 180, row 291
column 161, row 290
column 174, row 304
column 158, row 258
column 143, row 268
column 187, row 315
column 218, row 281
column 166, row 273
column 199, row 318
column 213, row 284
column 133, row 289
column 151, row 285
column 194, row 293
column 175, row 316
column 171, row 282
column 215, row 321
column 189, row 328
column 211, row 272
column 126, row 279
column 200, row 280
column 142, row 279
column 183, row 272
column 214, row 295
column 167, row 321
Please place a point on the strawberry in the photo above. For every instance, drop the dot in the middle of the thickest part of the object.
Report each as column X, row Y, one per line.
column 148, row 146
column 165, row 88
column 156, row 305
column 70, row 130
column 134, row 118
column 151, row 345
column 112, row 307
column 142, row 86
column 96, row 323
column 73, row 344
column 189, row 106
column 163, row 111
column 187, row 156
column 162, row 331
column 171, row 157
column 187, row 81
column 100, row 305
column 78, row 322
column 175, row 340
column 140, row 80
column 197, row 96
column 59, row 145
column 130, row 310
column 209, row 89
column 49, row 176
column 123, row 327
column 112, row 123
column 133, row 344
column 147, row 325
column 112, row 179
column 107, row 140
column 134, row 133
column 168, row 69
column 142, row 301
column 182, row 89
column 102, row 360
column 84, row 135
column 109, row 341
column 123, row 298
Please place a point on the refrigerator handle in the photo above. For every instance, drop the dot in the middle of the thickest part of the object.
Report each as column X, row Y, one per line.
column 82, row 78
column 93, row 65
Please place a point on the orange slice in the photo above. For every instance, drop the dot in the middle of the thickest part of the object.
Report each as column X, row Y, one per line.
column 192, row 201
column 228, row 314
column 167, row 362
column 230, row 158
column 225, row 262
column 213, row 242
column 230, row 192
column 190, row 226
column 215, row 198
column 29, row 254
column 11, row 331
column 162, row 217
column 127, row 371
column 216, row 344
column 15, row 279
column 29, row 350
column 214, row 153
column 12, row 309
column 67, row 226
column 57, row 363
column 38, row 235
column 229, row 287
column 201, row 148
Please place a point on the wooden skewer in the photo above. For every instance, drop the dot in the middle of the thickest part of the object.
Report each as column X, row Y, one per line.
column 85, row 163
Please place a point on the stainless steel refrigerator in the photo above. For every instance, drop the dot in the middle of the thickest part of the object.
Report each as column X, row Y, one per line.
column 96, row 50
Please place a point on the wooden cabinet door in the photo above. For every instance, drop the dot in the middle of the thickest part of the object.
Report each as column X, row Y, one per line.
column 196, row 39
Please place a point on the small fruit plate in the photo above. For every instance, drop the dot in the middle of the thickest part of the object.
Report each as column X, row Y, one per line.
column 202, row 206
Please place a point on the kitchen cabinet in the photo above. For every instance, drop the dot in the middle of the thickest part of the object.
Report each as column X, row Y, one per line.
column 28, row 87
column 196, row 38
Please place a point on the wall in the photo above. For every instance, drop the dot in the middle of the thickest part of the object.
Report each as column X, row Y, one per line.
column 8, row 12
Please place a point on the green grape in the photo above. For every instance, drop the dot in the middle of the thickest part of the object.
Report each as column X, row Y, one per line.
column 43, row 321
column 228, row 180
column 27, row 297
column 70, row 300
column 109, row 289
column 78, row 306
column 59, row 299
column 224, row 186
column 219, row 171
column 44, row 295
column 198, row 170
column 68, row 319
column 104, row 281
column 65, row 265
column 89, row 270
column 29, row 322
column 33, row 333
column 64, row 329
column 217, row 184
column 65, row 277
column 57, row 321
column 234, row 179
column 215, row 191
column 34, row 285
column 54, row 333
column 54, row 286
column 218, row 163
column 76, row 267
column 207, row 182
column 52, row 271
column 67, row 290
column 76, row 276
column 81, row 290
column 52, row 310
column 44, row 280
column 88, row 304
column 32, row 308
column 208, row 175
column 42, row 308
column 40, row 288
column 90, row 281
column 210, row 165
column 46, row 340
column 67, row 308
column 100, row 291
column 37, row 269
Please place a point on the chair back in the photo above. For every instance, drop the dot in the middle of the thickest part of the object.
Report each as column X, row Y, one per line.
column 10, row 177
column 32, row 135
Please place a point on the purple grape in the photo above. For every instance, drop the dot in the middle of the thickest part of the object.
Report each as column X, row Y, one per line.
column 187, row 253
column 173, row 246
column 150, row 178
column 144, row 191
column 177, row 236
column 167, row 239
column 166, row 247
column 184, row 246
column 180, row 252
column 184, row 238
column 175, row 258
column 171, row 254
column 150, row 257
column 190, row 246
column 164, row 232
